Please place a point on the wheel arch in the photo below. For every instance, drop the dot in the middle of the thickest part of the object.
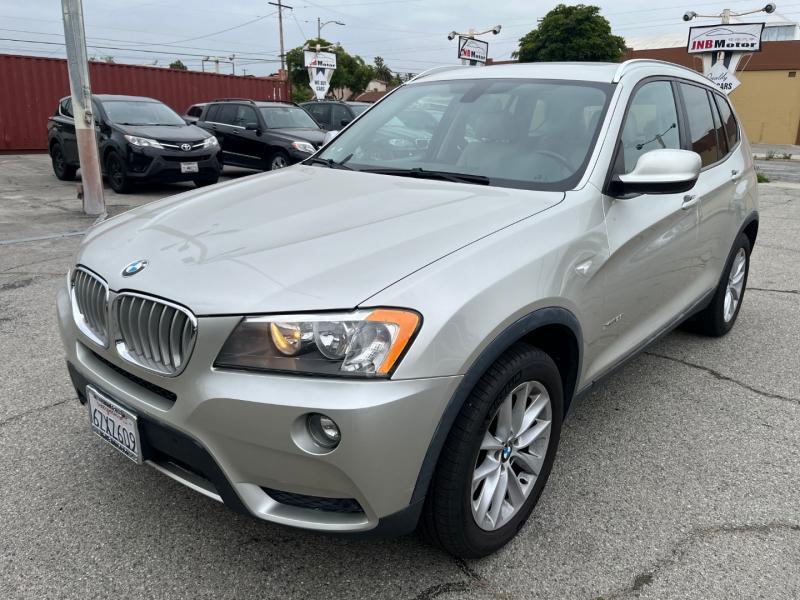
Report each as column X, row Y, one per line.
column 554, row 330
column 750, row 228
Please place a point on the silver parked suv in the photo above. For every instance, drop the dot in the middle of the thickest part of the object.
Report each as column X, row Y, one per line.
column 391, row 333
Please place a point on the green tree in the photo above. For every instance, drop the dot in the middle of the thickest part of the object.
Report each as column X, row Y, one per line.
column 571, row 33
column 351, row 71
column 178, row 64
column 382, row 71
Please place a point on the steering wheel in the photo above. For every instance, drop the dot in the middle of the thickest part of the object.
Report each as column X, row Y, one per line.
column 556, row 156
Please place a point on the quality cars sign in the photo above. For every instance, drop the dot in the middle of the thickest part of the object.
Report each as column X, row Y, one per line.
column 745, row 37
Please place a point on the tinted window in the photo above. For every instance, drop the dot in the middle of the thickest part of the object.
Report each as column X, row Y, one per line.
column 728, row 121
column 339, row 113
column 320, row 111
column 213, row 113
column 702, row 136
column 141, row 113
column 722, row 143
column 195, row 111
column 288, row 117
column 480, row 127
column 245, row 116
column 227, row 114
column 651, row 123
column 66, row 107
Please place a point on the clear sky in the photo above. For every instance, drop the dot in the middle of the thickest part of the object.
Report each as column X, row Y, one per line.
column 411, row 35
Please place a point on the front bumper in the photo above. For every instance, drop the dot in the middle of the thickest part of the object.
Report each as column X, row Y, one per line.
column 150, row 164
column 241, row 425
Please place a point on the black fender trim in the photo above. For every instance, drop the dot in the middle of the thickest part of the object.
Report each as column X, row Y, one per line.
column 512, row 333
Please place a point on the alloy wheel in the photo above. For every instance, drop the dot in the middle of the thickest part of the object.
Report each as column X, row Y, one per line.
column 278, row 162
column 511, row 455
column 733, row 293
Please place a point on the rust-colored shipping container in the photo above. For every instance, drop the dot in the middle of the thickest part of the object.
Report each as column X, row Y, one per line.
column 30, row 88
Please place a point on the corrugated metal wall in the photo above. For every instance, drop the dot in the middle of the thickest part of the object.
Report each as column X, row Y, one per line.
column 30, row 88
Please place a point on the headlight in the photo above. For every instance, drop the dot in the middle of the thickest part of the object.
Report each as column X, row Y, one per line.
column 303, row 147
column 210, row 142
column 142, row 142
column 365, row 343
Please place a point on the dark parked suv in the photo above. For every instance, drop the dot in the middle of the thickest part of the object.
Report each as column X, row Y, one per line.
column 332, row 114
column 139, row 140
column 261, row 135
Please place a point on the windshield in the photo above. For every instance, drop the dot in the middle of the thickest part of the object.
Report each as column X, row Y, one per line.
column 534, row 134
column 287, row 117
column 127, row 112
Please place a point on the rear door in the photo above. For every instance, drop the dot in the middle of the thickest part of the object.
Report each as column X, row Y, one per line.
column 321, row 111
column 652, row 238
column 721, row 181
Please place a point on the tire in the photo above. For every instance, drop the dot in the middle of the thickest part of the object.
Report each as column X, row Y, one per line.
column 62, row 170
column 277, row 160
column 718, row 318
column 450, row 518
column 204, row 181
column 116, row 174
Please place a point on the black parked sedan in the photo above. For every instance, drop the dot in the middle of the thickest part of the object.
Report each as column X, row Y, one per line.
column 261, row 135
column 139, row 140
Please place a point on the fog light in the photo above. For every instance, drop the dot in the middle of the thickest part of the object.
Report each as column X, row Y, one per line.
column 324, row 431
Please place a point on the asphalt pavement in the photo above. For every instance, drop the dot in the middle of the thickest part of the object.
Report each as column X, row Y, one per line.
column 677, row 478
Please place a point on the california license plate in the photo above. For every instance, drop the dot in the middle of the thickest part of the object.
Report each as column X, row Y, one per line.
column 116, row 425
column 189, row 167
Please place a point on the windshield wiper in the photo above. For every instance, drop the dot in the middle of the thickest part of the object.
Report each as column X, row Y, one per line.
column 426, row 174
column 330, row 163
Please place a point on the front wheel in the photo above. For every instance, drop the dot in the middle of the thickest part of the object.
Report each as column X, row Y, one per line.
column 497, row 457
column 117, row 174
column 277, row 160
column 718, row 318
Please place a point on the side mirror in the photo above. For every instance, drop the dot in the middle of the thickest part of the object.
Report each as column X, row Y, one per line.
column 251, row 126
column 329, row 135
column 345, row 122
column 662, row 171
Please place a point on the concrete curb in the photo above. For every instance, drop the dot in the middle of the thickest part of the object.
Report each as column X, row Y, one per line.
column 763, row 156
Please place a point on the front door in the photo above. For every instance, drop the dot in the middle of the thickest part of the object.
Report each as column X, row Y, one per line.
column 652, row 238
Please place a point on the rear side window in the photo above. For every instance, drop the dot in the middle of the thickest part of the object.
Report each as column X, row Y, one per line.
column 728, row 121
column 227, row 114
column 702, row 133
column 651, row 124
column 338, row 114
column 212, row 113
column 722, row 142
column 66, row 107
column 194, row 111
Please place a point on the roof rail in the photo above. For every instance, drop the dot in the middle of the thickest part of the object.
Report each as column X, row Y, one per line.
column 635, row 62
column 234, row 100
column 434, row 70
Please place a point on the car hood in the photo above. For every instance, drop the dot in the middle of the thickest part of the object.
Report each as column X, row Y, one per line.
column 166, row 133
column 298, row 239
column 315, row 136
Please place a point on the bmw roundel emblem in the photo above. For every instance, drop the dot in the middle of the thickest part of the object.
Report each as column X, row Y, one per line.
column 134, row 268
column 186, row 147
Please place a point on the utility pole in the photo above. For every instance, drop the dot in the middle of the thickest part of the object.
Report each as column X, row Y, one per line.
column 280, row 30
column 77, row 64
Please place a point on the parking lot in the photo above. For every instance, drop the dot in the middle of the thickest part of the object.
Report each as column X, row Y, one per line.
column 677, row 478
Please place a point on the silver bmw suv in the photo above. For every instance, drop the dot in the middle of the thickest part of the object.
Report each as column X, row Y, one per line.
column 390, row 334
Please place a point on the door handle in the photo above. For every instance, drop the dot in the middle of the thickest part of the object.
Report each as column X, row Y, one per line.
column 689, row 200
column 735, row 175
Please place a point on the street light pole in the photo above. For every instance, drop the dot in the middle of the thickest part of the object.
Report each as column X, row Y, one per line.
column 78, row 67
column 320, row 25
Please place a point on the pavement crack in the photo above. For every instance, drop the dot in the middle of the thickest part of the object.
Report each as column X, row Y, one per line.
column 774, row 290
column 716, row 374
column 23, row 414
column 679, row 551
column 474, row 580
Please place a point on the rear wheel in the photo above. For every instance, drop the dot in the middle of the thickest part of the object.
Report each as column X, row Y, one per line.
column 62, row 170
column 497, row 457
column 718, row 318
column 117, row 174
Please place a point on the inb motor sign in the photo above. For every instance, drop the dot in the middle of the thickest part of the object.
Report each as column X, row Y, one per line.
column 745, row 37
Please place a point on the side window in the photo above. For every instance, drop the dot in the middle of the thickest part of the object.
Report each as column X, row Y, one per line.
column 194, row 111
column 245, row 115
column 338, row 114
column 702, row 136
column 728, row 121
column 66, row 107
column 651, row 123
column 321, row 112
column 212, row 114
column 227, row 114
column 722, row 143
